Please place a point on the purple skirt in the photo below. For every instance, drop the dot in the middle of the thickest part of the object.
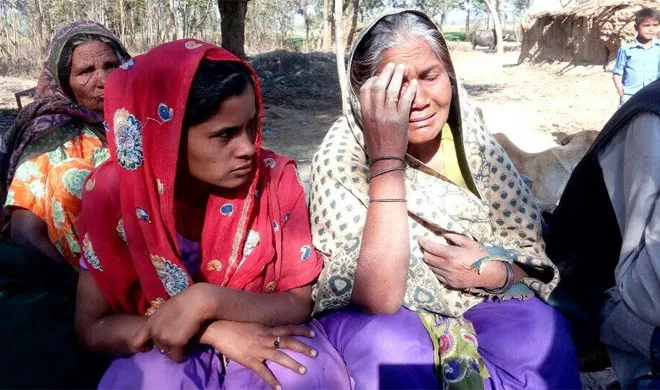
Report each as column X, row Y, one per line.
column 525, row 345
column 204, row 370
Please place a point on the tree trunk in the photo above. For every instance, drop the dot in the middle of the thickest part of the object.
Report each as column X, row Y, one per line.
column 122, row 21
column 232, row 23
column 490, row 4
column 131, row 25
column 185, row 13
column 339, row 49
column 8, row 38
column 202, row 20
column 516, row 30
column 351, row 34
column 104, row 12
column 40, row 24
column 175, row 29
column 468, row 9
column 327, row 28
column 157, row 20
column 14, row 26
column 150, row 25
column 302, row 10
column 443, row 18
column 307, row 28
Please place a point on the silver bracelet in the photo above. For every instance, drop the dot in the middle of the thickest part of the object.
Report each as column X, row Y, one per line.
column 507, row 284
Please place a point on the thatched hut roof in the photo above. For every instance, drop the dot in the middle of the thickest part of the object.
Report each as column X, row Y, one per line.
column 598, row 7
column 589, row 33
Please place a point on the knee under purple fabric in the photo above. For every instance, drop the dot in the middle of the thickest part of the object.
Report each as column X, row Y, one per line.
column 203, row 370
column 326, row 371
column 525, row 345
column 153, row 370
column 383, row 351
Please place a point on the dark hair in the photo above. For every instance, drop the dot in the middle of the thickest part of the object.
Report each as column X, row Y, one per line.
column 66, row 57
column 214, row 82
column 392, row 30
column 645, row 14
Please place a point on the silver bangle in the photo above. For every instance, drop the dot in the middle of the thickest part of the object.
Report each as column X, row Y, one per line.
column 507, row 284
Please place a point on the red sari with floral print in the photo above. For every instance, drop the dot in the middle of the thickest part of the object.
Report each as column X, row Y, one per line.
column 258, row 240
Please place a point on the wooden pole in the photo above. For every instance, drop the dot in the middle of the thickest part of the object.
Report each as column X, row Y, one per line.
column 339, row 50
column 492, row 8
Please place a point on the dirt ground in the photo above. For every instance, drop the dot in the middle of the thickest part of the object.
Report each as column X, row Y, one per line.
column 531, row 104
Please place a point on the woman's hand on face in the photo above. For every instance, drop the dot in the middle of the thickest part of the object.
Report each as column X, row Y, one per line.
column 452, row 264
column 251, row 345
column 385, row 105
column 174, row 324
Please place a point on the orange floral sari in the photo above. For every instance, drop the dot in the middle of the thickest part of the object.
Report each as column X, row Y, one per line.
column 50, row 186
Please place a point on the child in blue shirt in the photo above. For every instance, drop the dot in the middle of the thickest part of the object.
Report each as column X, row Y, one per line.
column 638, row 62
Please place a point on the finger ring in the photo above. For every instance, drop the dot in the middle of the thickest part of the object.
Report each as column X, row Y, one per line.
column 395, row 99
column 162, row 351
column 276, row 343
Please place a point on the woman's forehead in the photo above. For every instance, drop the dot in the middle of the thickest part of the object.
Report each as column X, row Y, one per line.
column 92, row 47
column 416, row 55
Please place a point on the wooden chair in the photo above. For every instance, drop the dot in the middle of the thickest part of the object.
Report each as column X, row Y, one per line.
column 25, row 93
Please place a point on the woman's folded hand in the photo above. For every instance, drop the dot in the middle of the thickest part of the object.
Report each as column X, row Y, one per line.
column 251, row 345
column 174, row 324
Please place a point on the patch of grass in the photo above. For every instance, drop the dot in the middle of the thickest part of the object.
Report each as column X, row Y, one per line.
column 454, row 36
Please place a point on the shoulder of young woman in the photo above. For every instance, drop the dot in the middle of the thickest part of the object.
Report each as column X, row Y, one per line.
column 281, row 174
column 102, row 185
column 274, row 166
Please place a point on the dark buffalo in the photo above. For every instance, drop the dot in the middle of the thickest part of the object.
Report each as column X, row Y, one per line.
column 486, row 38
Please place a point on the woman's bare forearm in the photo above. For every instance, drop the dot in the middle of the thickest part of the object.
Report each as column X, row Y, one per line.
column 283, row 308
column 112, row 335
column 28, row 229
column 382, row 269
column 97, row 327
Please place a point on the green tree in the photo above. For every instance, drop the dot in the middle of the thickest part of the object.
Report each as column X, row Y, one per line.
column 437, row 8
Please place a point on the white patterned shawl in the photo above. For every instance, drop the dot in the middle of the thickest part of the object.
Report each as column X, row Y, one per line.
column 503, row 215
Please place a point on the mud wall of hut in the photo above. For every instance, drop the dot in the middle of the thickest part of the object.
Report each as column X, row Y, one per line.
column 586, row 36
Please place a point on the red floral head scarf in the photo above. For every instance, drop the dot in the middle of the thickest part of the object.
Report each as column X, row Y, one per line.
column 127, row 226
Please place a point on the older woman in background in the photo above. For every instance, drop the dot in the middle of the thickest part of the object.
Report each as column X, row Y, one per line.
column 57, row 140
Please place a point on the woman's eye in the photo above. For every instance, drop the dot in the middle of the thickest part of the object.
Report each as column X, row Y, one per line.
column 227, row 133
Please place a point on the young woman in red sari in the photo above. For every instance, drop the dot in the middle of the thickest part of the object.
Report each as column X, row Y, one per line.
column 196, row 240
